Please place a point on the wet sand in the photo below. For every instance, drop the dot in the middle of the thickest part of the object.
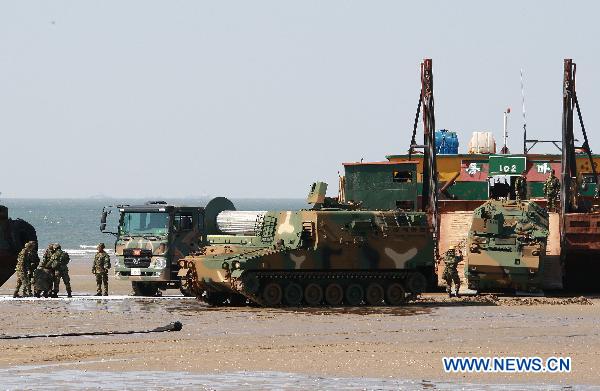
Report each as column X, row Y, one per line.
column 82, row 281
column 404, row 344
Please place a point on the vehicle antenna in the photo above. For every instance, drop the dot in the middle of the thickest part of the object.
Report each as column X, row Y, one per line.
column 524, row 118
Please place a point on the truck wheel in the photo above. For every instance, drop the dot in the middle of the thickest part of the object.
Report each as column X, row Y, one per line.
column 144, row 289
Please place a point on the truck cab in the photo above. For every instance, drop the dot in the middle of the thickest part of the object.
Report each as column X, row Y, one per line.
column 150, row 239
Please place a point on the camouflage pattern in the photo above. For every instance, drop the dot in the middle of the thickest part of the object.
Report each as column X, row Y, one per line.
column 25, row 261
column 151, row 260
column 45, row 262
column 34, row 263
column 322, row 255
column 506, row 243
column 551, row 190
column 521, row 188
column 100, row 268
column 44, row 275
column 60, row 259
column 43, row 282
column 450, row 275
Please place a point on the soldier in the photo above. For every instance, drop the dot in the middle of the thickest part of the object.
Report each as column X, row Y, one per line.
column 47, row 255
column 61, row 260
column 24, row 262
column 551, row 190
column 452, row 259
column 34, row 263
column 521, row 187
column 100, row 269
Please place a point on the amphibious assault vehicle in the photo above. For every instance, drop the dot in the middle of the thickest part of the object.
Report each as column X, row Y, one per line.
column 506, row 245
column 14, row 233
column 326, row 255
column 375, row 243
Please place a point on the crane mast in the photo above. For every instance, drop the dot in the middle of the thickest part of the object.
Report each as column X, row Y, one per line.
column 430, row 175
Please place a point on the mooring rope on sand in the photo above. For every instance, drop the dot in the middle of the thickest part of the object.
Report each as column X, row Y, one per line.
column 175, row 326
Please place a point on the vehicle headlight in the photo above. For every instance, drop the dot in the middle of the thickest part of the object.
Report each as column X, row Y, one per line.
column 159, row 262
column 118, row 262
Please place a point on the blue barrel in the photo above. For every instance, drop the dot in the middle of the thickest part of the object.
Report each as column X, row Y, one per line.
column 446, row 142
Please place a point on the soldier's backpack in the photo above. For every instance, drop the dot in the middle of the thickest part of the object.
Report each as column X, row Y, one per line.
column 42, row 280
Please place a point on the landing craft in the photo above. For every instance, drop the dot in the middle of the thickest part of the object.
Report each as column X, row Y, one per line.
column 14, row 233
column 468, row 180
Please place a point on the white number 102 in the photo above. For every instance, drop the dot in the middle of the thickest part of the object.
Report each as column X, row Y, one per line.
column 512, row 168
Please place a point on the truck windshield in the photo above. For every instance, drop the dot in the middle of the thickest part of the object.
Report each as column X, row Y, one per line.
column 145, row 223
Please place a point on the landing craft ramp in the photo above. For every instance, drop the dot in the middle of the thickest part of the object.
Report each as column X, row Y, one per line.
column 582, row 251
column 8, row 261
column 553, row 271
column 454, row 228
column 14, row 233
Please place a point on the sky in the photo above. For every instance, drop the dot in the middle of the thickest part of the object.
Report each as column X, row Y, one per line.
column 261, row 98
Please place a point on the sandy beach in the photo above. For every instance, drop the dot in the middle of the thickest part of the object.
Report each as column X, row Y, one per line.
column 405, row 343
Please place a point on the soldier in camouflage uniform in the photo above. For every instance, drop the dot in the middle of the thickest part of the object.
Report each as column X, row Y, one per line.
column 521, row 187
column 452, row 259
column 551, row 190
column 24, row 263
column 100, row 269
column 61, row 260
column 35, row 261
column 47, row 255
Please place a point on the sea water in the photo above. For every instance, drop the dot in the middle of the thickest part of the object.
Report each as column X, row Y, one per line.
column 74, row 223
column 68, row 376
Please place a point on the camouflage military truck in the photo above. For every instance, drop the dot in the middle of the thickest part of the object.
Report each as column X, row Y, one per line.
column 14, row 233
column 150, row 239
column 332, row 254
column 505, row 246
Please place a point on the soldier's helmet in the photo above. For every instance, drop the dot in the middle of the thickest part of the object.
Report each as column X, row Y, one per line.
column 451, row 248
column 57, row 246
column 30, row 244
column 101, row 246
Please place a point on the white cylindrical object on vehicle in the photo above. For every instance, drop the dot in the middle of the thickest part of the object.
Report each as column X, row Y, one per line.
column 239, row 222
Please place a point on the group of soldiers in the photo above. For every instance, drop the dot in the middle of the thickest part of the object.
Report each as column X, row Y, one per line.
column 44, row 275
column 551, row 189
